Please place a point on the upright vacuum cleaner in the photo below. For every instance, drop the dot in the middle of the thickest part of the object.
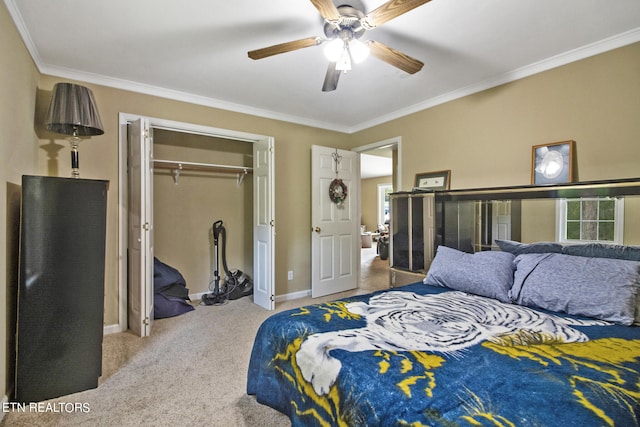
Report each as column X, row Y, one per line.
column 236, row 284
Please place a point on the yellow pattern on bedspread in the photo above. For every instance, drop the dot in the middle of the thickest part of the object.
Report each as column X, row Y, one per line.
column 330, row 402
column 442, row 358
column 607, row 356
column 404, row 364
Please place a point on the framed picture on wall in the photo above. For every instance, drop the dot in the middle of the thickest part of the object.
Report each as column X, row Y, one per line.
column 552, row 163
column 440, row 180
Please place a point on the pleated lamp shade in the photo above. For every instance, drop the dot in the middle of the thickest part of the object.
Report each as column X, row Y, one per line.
column 73, row 111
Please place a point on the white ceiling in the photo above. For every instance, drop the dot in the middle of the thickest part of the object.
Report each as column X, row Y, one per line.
column 196, row 51
column 372, row 166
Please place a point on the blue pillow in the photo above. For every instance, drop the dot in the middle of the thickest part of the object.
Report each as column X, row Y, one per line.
column 518, row 248
column 601, row 288
column 603, row 250
column 488, row 273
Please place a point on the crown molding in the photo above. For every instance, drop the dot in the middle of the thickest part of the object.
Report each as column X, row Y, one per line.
column 176, row 95
column 596, row 48
column 611, row 43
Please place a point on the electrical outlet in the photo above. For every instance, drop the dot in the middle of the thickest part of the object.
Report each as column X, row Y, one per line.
column 290, row 275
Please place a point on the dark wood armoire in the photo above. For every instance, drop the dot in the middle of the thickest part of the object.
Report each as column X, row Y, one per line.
column 61, row 287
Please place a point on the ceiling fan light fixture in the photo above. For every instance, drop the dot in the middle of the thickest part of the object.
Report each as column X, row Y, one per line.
column 343, row 26
column 334, row 49
column 359, row 51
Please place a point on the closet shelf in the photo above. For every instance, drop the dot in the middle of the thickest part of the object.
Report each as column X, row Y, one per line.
column 177, row 166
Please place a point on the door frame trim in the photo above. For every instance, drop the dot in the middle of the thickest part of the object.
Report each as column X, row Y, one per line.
column 123, row 196
column 396, row 142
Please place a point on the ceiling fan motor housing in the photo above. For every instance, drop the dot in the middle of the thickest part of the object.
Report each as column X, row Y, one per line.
column 348, row 26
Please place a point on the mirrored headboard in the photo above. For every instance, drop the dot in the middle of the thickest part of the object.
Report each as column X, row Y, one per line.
column 470, row 220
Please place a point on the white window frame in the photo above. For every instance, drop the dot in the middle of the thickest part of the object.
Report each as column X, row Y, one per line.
column 561, row 221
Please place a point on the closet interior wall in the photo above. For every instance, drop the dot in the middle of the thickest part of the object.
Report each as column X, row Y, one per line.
column 185, row 208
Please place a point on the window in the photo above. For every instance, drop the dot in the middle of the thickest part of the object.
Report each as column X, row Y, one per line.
column 591, row 219
column 383, row 202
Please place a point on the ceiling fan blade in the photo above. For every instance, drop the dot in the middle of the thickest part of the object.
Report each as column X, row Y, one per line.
column 327, row 9
column 388, row 11
column 331, row 78
column 396, row 58
column 284, row 47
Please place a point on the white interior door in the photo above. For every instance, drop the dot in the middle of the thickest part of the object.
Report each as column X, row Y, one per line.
column 335, row 242
column 263, row 224
column 140, row 234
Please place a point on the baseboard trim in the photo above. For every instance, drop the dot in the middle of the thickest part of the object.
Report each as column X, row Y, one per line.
column 5, row 400
column 198, row 296
column 293, row 295
column 111, row 329
column 114, row 329
column 279, row 298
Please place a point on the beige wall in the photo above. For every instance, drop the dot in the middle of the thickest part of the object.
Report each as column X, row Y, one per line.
column 631, row 213
column 369, row 200
column 538, row 220
column 99, row 160
column 485, row 139
column 18, row 156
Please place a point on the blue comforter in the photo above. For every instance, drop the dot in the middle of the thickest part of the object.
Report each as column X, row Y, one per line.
column 426, row 356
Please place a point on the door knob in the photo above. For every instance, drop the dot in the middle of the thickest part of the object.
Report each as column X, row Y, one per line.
column 317, row 229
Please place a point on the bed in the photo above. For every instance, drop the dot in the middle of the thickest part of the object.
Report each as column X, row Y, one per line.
column 533, row 335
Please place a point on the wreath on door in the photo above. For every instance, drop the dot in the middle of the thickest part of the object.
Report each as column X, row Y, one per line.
column 338, row 191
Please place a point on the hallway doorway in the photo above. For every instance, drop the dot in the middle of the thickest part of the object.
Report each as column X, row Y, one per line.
column 380, row 168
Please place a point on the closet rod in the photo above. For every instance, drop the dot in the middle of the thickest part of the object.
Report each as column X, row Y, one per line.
column 178, row 166
column 194, row 165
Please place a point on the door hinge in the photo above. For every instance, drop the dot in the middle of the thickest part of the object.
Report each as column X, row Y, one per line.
column 272, row 298
column 272, row 223
column 146, row 226
column 146, row 321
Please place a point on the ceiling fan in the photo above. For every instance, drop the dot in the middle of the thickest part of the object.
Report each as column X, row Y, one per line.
column 344, row 26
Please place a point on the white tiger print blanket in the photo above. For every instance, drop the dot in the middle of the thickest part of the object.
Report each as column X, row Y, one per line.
column 446, row 323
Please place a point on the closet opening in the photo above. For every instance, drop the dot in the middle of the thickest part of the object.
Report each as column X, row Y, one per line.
column 175, row 180
column 197, row 180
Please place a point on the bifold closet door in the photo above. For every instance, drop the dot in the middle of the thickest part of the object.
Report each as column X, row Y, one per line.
column 61, row 287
